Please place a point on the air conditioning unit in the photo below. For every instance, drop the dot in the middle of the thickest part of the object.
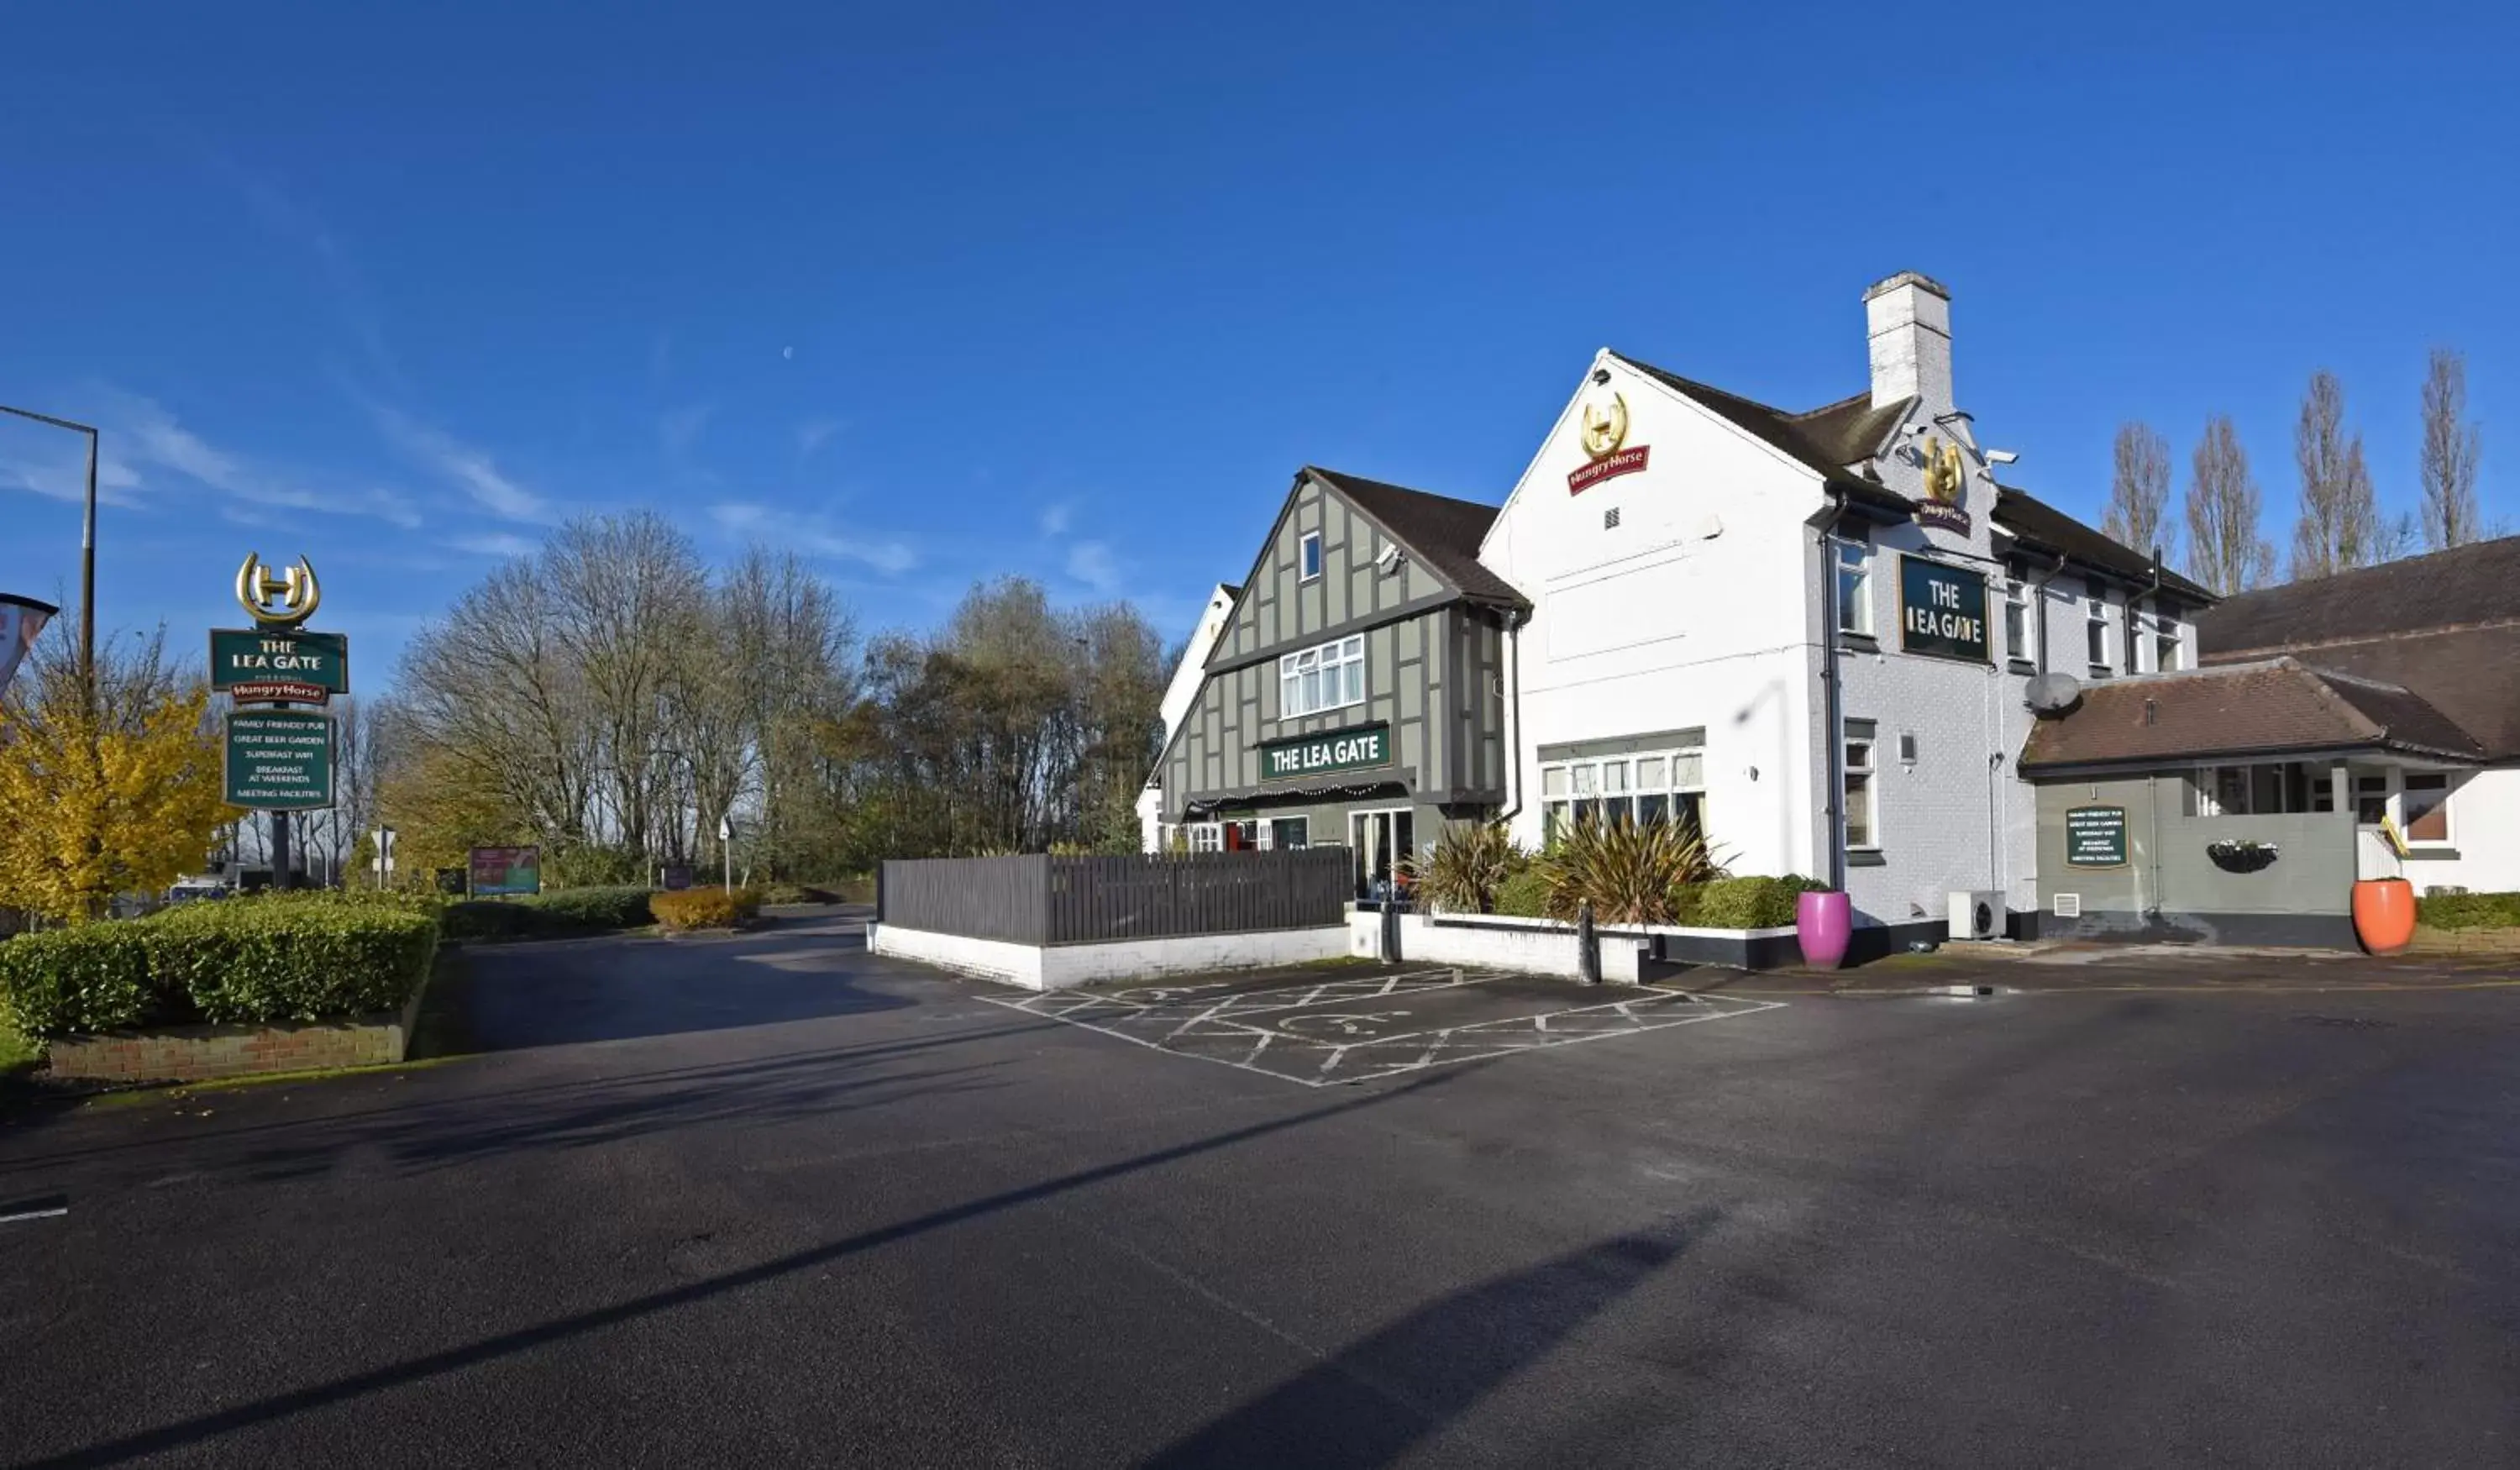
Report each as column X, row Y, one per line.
column 1977, row 915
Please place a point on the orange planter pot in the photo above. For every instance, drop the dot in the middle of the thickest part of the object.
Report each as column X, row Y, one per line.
column 2384, row 915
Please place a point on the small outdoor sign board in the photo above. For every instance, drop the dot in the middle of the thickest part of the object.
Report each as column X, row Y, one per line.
column 278, row 760
column 1941, row 610
column 279, row 664
column 1355, row 748
column 503, row 871
column 675, row 876
column 2096, row 838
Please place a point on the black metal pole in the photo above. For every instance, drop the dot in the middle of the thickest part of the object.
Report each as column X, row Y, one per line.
column 280, row 850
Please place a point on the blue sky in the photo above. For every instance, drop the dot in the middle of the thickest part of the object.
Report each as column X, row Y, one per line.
column 931, row 294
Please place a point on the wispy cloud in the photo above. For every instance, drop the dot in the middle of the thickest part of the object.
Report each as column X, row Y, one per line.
column 813, row 537
column 499, row 544
column 1056, row 517
column 469, row 469
column 344, row 286
column 1092, row 564
column 814, row 433
column 149, row 455
column 678, row 430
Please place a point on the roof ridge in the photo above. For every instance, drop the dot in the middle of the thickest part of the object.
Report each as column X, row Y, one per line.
column 2395, row 565
column 1694, row 385
column 1860, row 396
column 1365, row 479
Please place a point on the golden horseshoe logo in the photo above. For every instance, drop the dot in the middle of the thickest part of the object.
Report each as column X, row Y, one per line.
column 1605, row 430
column 278, row 599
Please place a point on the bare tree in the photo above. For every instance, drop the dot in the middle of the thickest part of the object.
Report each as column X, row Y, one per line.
column 2225, row 550
column 2450, row 455
column 2339, row 528
column 2139, row 491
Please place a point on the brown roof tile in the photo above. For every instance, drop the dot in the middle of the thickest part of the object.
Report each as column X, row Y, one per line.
column 1442, row 532
column 2266, row 708
column 1821, row 439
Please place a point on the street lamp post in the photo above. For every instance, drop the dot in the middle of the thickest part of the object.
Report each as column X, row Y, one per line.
column 87, row 550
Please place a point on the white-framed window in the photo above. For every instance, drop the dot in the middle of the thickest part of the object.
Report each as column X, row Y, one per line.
column 1329, row 676
column 2095, row 627
column 2017, row 620
column 1205, row 836
column 2266, row 788
column 2166, row 652
column 1662, row 785
column 1288, row 833
column 1309, row 553
column 1855, row 587
column 2423, row 805
column 1862, row 819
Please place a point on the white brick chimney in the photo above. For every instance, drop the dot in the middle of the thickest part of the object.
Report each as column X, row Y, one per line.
column 1909, row 318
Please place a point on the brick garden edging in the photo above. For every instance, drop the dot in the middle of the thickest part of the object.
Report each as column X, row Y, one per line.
column 201, row 1052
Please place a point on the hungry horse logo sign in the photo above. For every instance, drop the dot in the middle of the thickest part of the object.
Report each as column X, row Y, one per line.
column 1604, row 429
column 1946, row 486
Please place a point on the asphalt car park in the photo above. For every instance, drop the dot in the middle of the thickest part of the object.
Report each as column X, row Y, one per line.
column 769, row 1199
column 1328, row 1027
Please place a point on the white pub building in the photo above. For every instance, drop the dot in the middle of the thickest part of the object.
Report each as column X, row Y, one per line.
column 1810, row 632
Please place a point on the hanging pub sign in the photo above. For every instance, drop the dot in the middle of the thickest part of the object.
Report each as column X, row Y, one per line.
column 2096, row 838
column 1941, row 610
column 1358, row 747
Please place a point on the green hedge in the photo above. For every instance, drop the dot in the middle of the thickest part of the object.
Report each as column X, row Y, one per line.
column 2470, row 910
column 558, row 914
column 1523, row 895
column 284, row 959
column 1749, row 903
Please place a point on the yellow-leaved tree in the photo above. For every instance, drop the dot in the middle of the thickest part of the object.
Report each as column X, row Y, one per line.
column 119, row 795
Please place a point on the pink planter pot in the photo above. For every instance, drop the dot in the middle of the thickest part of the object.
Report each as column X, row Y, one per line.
column 1823, row 923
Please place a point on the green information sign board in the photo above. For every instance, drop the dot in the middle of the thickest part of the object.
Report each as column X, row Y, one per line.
column 1941, row 610
column 250, row 658
column 279, row 760
column 1355, row 748
column 2096, row 838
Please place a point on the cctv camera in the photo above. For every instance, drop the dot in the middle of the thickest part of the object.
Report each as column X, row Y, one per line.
column 2001, row 456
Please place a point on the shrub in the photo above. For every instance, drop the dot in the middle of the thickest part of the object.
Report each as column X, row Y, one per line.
column 1627, row 870
column 289, row 957
column 1750, row 902
column 2470, row 910
column 705, row 908
column 1468, row 864
column 246, row 960
column 557, row 915
column 1524, row 895
column 91, row 978
column 619, row 907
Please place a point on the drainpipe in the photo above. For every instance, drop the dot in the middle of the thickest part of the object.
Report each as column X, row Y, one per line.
column 2038, row 589
column 1513, row 693
column 1829, row 710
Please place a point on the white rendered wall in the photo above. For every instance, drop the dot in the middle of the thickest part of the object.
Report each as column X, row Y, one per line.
column 2485, row 833
column 1526, row 950
column 1179, row 696
column 1686, row 614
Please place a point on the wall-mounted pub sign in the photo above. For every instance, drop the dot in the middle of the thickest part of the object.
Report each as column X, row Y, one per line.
column 2096, row 838
column 1358, row 747
column 1941, row 610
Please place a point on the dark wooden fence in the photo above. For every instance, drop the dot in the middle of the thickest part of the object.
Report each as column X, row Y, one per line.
column 1045, row 900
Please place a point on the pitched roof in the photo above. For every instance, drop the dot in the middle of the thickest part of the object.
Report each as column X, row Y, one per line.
column 1441, row 532
column 2460, row 588
column 2039, row 524
column 1826, row 440
column 2266, row 708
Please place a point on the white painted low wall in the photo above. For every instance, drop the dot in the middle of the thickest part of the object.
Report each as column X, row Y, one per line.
column 1060, row 966
column 1535, row 946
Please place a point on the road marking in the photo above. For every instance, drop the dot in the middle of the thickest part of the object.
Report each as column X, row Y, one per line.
column 43, row 1208
column 1227, row 1020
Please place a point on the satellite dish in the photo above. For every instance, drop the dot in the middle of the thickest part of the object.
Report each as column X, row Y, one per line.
column 2054, row 694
